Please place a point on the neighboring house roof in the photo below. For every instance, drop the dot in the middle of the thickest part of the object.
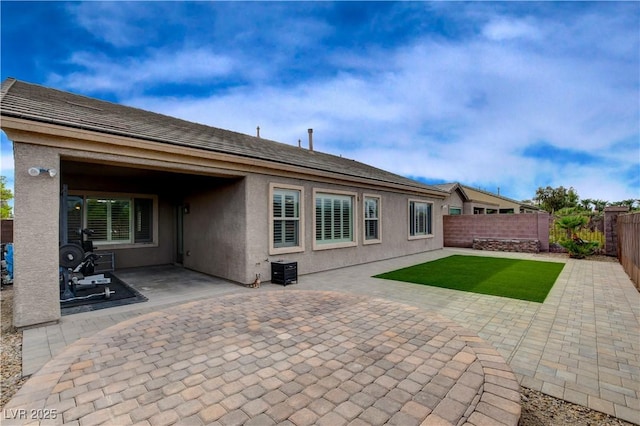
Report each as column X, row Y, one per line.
column 479, row 195
column 32, row 102
column 451, row 187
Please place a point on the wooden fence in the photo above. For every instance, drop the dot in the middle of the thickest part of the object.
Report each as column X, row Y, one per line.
column 6, row 231
column 628, row 229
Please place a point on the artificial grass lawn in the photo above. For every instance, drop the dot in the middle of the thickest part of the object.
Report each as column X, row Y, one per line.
column 518, row 279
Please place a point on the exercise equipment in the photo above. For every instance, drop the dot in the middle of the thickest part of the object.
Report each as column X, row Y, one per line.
column 77, row 267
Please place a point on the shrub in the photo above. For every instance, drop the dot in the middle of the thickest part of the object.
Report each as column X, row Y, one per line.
column 576, row 246
column 579, row 249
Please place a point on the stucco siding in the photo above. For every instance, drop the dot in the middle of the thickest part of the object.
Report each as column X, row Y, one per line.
column 36, row 206
column 393, row 222
column 454, row 201
column 215, row 231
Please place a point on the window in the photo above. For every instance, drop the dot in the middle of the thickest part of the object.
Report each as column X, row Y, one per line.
column 419, row 219
column 286, row 219
column 110, row 219
column 143, row 232
column 455, row 211
column 371, row 219
column 118, row 219
column 334, row 222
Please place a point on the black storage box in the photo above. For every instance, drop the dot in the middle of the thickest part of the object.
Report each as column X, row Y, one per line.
column 283, row 272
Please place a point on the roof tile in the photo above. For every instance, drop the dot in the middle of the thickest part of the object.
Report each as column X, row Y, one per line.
column 38, row 103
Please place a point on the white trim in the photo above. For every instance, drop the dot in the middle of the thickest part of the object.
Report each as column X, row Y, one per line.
column 354, row 216
column 378, row 240
column 301, row 228
column 431, row 225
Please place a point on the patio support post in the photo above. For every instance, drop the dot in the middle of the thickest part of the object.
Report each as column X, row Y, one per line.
column 36, row 259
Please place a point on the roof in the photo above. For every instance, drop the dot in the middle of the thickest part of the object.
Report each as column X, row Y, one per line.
column 42, row 104
column 449, row 187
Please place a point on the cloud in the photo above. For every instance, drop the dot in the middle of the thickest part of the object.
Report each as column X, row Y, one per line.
column 461, row 93
column 121, row 24
column 133, row 74
column 6, row 148
column 440, row 109
column 7, row 165
column 507, row 29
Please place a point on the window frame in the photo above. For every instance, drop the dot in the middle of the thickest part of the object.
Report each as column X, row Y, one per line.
column 273, row 250
column 131, row 197
column 110, row 219
column 317, row 245
column 429, row 223
column 378, row 219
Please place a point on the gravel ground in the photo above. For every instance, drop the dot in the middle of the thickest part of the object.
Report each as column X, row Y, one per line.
column 537, row 409
column 10, row 349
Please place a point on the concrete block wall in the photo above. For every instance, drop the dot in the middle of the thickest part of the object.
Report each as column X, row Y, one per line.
column 460, row 231
column 610, row 229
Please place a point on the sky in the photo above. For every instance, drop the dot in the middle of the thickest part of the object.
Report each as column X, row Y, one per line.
column 501, row 96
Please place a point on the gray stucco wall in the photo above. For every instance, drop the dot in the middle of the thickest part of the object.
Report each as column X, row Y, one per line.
column 226, row 232
column 393, row 219
column 215, row 231
column 36, row 206
column 455, row 200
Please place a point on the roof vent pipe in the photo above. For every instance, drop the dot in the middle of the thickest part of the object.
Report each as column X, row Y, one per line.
column 299, row 144
column 258, row 132
column 310, row 139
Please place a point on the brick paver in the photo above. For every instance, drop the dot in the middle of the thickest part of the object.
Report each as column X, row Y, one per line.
column 580, row 345
column 315, row 357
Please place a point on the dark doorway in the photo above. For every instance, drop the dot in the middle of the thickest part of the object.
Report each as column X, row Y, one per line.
column 180, row 210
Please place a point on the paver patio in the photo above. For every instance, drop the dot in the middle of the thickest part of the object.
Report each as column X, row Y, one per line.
column 582, row 344
column 278, row 357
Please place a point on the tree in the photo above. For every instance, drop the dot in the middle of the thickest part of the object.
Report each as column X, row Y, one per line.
column 5, row 196
column 576, row 247
column 553, row 199
column 586, row 203
column 600, row 205
column 571, row 224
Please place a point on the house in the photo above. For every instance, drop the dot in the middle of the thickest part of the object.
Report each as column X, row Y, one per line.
column 160, row 190
column 464, row 199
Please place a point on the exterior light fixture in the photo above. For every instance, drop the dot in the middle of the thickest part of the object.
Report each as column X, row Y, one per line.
column 35, row 171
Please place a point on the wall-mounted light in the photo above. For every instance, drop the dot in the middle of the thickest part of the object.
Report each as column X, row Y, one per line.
column 35, row 171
